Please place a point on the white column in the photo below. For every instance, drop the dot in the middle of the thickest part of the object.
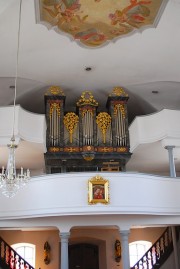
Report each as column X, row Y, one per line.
column 171, row 161
column 173, row 174
column 125, row 249
column 175, row 247
column 64, row 250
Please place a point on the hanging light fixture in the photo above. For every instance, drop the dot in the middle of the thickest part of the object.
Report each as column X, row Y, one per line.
column 10, row 182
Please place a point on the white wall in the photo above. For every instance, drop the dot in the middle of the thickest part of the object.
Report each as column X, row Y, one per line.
column 61, row 200
column 28, row 126
column 156, row 127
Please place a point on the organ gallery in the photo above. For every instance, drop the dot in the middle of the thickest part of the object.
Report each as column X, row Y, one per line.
column 86, row 139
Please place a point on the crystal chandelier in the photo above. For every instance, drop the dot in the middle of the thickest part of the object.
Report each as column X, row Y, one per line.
column 10, row 182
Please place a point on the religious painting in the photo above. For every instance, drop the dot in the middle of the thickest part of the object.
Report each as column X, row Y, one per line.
column 98, row 190
column 94, row 23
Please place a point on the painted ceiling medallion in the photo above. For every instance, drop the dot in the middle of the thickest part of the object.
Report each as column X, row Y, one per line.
column 96, row 22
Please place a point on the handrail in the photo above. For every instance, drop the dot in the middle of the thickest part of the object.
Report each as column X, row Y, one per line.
column 10, row 258
column 158, row 253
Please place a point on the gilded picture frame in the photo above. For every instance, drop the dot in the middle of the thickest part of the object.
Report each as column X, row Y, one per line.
column 98, row 190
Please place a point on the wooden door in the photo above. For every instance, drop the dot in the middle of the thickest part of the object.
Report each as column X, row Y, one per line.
column 83, row 256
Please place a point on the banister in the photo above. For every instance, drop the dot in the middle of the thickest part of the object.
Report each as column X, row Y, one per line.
column 9, row 258
column 158, row 253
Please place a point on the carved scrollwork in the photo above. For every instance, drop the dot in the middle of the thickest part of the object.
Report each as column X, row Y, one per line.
column 84, row 111
column 87, row 98
column 120, row 107
column 118, row 91
column 55, row 90
column 55, row 106
column 70, row 121
column 103, row 121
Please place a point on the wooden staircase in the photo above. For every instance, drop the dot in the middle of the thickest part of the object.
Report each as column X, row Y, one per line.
column 158, row 253
column 10, row 259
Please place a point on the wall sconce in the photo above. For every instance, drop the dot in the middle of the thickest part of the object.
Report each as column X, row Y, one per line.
column 47, row 249
column 117, row 248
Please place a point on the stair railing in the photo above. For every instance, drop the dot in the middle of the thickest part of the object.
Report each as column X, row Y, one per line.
column 158, row 253
column 9, row 258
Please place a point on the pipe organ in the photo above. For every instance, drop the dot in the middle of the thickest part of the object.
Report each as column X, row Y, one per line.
column 86, row 139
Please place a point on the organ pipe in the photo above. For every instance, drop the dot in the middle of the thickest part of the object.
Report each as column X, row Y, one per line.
column 87, row 125
column 87, row 138
column 54, row 124
column 120, row 125
column 88, row 128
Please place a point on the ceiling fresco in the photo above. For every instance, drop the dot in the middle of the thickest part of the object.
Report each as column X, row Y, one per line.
column 96, row 22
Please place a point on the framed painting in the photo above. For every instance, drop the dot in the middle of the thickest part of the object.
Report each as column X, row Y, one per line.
column 98, row 190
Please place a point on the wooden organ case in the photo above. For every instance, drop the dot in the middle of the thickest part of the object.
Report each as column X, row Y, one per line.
column 88, row 139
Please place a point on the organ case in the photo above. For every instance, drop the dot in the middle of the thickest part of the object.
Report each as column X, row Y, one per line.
column 86, row 139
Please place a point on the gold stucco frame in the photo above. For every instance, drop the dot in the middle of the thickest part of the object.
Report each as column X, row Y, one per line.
column 98, row 190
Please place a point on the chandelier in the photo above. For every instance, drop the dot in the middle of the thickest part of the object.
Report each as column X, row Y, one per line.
column 10, row 181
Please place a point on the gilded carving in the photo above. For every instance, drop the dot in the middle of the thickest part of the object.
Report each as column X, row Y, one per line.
column 71, row 149
column 88, row 156
column 70, row 121
column 88, row 148
column 55, row 106
column 54, row 149
column 120, row 107
column 55, row 90
column 103, row 121
column 122, row 149
column 105, row 149
column 47, row 250
column 118, row 91
column 84, row 111
column 87, row 98
column 98, row 190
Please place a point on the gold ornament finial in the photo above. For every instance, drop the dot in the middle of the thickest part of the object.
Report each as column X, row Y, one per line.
column 87, row 98
column 55, row 90
column 118, row 91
